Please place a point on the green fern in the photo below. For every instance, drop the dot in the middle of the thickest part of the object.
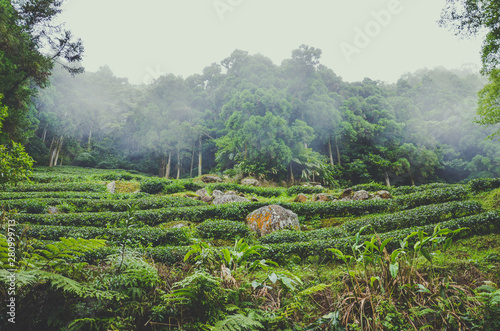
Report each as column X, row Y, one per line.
column 239, row 322
column 64, row 250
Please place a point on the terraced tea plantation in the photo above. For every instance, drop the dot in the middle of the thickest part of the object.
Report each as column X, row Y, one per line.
column 153, row 255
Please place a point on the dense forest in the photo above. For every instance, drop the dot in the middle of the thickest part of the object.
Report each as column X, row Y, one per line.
column 249, row 116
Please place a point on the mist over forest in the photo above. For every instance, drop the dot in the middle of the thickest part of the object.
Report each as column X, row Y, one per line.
column 248, row 116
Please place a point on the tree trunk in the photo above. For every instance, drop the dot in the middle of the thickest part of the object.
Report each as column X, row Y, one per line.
column 192, row 162
column 163, row 164
column 178, row 163
column 387, row 180
column 338, row 151
column 330, row 152
column 44, row 134
column 411, row 178
column 292, row 179
column 58, row 148
column 51, row 153
column 167, row 171
column 90, row 137
column 199, row 161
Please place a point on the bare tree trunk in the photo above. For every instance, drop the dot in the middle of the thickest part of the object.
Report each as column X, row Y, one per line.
column 192, row 162
column 387, row 180
column 163, row 164
column 44, row 134
column 90, row 137
column 167, row 171
column 338, row 151
column 412, row 179
column 58, row 150
column 178, row 163
column 199, row 161
column 51, row 153
column 330, row 152
column 292, row 179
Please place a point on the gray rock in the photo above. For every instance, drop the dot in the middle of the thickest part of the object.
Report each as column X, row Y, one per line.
column 228, row 198
column 250, row 181
column 202, row 193
column 271, row 218
column 111, row 187
column 53, row 210
column 178, row 226
column 217, row 193
column 361, row 195
column 207, row 199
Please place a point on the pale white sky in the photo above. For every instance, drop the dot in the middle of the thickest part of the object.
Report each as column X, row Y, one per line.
column 380, row 39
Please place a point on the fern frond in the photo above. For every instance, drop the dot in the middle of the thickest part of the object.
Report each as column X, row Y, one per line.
column 238, row 322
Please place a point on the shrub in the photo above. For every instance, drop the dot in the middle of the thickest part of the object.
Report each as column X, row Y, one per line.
column 483, row 184
column 413, row 189
column 370, row 187
column 143, row 236
column 298, row 189
column 154, row 185
column 55, row 187
column 223, row 229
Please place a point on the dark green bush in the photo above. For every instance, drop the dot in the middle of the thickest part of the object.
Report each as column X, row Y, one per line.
column 143, row 236
column 56, row 187
column 370, row 187
column 483, row 184
column 298, row 189
column 154, row 185
column 223, row 229
column 413, row 189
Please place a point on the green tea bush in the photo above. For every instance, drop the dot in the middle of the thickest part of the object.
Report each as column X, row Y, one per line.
column 55, row 187
column 480, row 224
column 69, row 195
column 400, row 220
column 298, row 189
column 154, row 185
column 370, row 187
column 268, row 192
column 143, row 236
column 427, row 197
column 39, row 206
column 223, row 229
column 483, row 184
column 413, row 189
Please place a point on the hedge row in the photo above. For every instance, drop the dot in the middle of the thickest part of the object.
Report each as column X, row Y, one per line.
column 480, row 224
column 39, row 206
column 223, row 229
column 420, row 216
column 143, row 236
column 483, row 184
column 370, row 187
column 268, row 192
column 53, row 187
column 239, row 210
column 413, row 189
column 69, row 195
column 299, row 189
column 427, row 197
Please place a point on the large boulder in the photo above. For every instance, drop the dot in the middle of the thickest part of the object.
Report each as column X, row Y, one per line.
column 250, row 181
column 361, row 195
column 202, row 193
column 227, row 198
column 111, row 187
column 271, row 218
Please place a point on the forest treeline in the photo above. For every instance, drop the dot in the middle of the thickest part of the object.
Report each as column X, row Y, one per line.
column 249, row 116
